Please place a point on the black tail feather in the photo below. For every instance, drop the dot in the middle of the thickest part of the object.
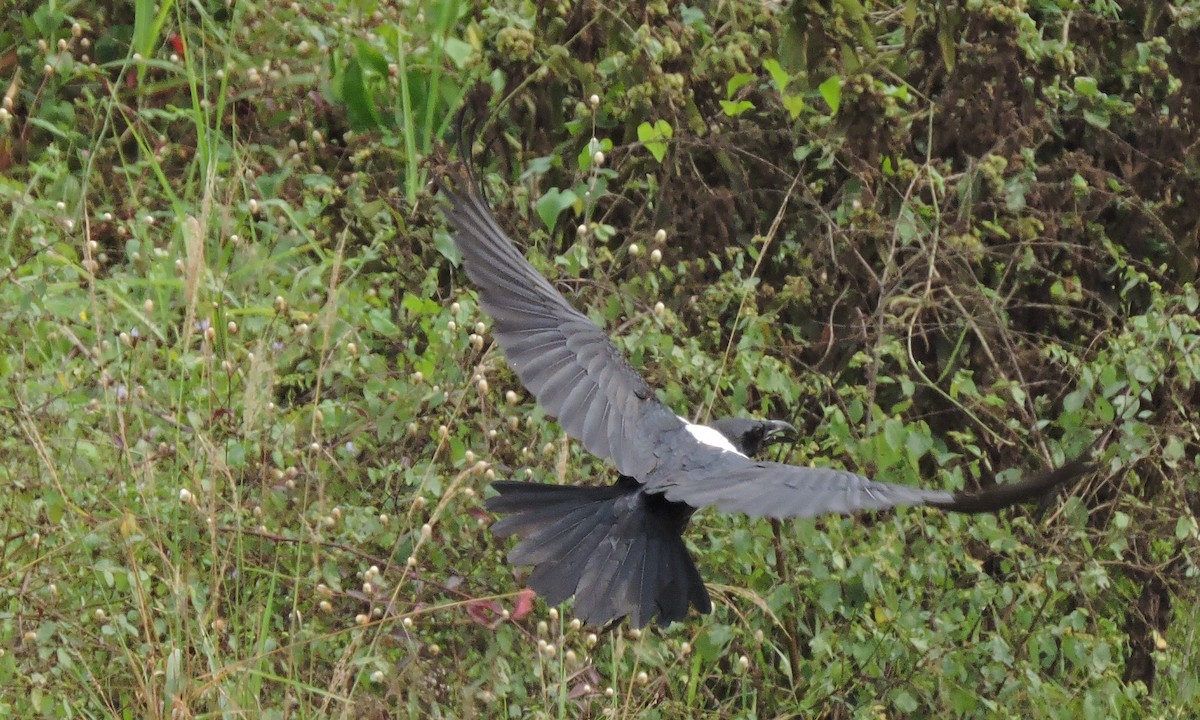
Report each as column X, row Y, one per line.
column 619, row 551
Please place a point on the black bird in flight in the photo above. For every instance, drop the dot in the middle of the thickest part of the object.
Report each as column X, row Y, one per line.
column 619, row 549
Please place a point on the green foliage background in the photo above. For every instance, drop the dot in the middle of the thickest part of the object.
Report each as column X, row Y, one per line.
column 253, row 408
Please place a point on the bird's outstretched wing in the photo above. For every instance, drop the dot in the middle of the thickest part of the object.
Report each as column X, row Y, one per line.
column 734, row 483
column 579, row 376
column 569, row 364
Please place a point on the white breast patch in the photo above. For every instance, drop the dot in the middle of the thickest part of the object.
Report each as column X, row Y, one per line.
column 707, row 436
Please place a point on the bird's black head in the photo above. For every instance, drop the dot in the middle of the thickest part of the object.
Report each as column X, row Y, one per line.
column 753, row 436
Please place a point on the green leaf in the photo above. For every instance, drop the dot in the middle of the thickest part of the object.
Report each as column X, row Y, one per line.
column 381, row 320
column 737, row 82
column 733, row 108
column 905, row 702
column 692, row 17
column 1099, row 119
column 948, row 42
column 1190, row 299
column 830, row 595
column 1086, row 86
column 610, row 65
column 539, row 166
column 711, row 643
column 443, row 13
column 917, row 444
column 445, row 245
column 831, row 90
column 359, row 99
column 894, row 433
column 593, row 146
column 551, row 204
column 653, row 137
column 418, row 306
column 778, row 75
column 1140, row 372
column 458, row 51
column 794, row 104
column 370, row 58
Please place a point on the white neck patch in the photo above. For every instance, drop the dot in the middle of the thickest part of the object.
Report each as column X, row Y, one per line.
column 710, row 437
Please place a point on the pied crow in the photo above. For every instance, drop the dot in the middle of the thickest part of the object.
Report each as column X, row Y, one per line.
column 619, row 549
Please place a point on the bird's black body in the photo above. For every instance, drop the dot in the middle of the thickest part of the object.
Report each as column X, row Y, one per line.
column 619, row 549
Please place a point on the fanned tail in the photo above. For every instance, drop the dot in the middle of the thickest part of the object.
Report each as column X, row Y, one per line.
column 617, row 549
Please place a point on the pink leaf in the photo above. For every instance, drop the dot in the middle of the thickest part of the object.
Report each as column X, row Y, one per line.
column 524, row 604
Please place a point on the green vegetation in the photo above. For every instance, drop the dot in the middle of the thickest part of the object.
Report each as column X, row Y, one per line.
column 252, row 409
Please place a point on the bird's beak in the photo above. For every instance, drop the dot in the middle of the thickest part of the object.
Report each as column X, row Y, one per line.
column 778, row 431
